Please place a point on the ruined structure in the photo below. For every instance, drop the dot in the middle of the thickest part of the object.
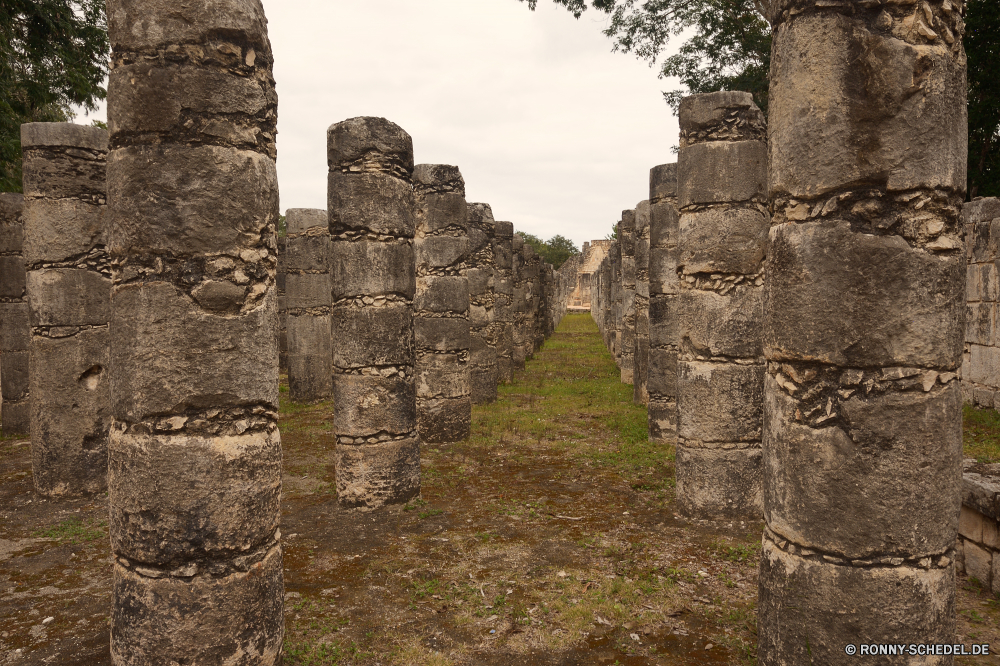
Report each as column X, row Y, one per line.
column 279, row 281
column 503, row 260
column 591, row 256
column 721, row 193
column 68, row 285
column 640, row 346
column 441, row 304
column 519, row 307
column 664, row 286
column 626, row 339
column 308, row 298
column 979, row 525
column 482, row 298
column 194, row 454
column 371, row 207
column 15, row 331
column 981, row 360
column 864, row 313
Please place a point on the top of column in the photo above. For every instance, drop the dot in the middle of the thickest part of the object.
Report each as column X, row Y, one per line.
column 63, row 135
column 301, row 220
column 368, row 143
column 662, row 182
column 721, row 116
column 438, row 178
column 144, row 24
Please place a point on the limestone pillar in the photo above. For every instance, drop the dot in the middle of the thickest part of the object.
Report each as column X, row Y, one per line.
column 308, row 297
column 863, row 329
column 721, row 191
column 15, row 330
column 68, row 286
column 626, row 336
column 664, row 287
column 372, row 268
column 617, row 295
column 194, row 455
column 503, row 249
column 533, row 268
column 640, row 372
column 279, row 281
column 441, row 304
column 482, row 297
column 519, row 307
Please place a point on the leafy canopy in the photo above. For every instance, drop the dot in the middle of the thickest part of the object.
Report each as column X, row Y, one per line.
column 555, row 251
column 53, row 55
column 729, row 48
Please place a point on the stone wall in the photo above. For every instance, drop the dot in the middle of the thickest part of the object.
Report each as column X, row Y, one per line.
column 979, row 525
column 308, row 299
column 981, row 358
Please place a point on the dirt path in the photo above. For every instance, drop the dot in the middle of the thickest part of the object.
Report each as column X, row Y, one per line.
column 548, row 538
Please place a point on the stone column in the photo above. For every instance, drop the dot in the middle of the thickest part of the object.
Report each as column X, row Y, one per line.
column 519, row 307
column 308, row 294
column 195, row 455
column 504, row 310
column 482, row 298
column 617, row 294
column 15, row 330
column 279, row 281
column 372, row 223
column 863, row 328
column 664, row 287
column 721, row 191
column 441, row 304
column 68, row 285
column 533, row 265
column 981, row 360
column 640, row 372
column 626, row 335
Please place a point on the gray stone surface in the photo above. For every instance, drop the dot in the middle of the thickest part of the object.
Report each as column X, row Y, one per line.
column 480, row 271
column 503, row 259
column 640, row 372
column 194, row 454
column 981, row 357
column 308, row 292
column 372, row 224
column 721, row 238
column 626, row 335
column 15, row 331
column 864, row 319
column 444, row 404
column 664, row 288
column 67, row 285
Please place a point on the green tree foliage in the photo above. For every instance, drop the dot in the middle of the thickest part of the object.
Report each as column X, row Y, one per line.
column 53, row 54
column 982, row 45
column 555, row 251
column 729, row 48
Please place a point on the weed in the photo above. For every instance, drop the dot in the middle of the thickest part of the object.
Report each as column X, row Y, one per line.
column 74, row 530
column 981, row 434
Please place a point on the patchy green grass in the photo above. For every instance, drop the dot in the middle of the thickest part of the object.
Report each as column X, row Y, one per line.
column 74, row 530
column 981, row 439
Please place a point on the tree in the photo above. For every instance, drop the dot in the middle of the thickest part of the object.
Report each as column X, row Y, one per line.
column 730, row 49
column 53, row 55
column 982, row 46
column 555, row 251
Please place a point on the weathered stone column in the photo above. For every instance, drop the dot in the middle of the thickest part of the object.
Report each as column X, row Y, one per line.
column 617, row 294
column 519, row 307
column 981, row 360
column 664, row 287
column 503, row 259
column 640, row 373
column 626, row 335
column 15, row 330
column 864, row 314
column 279, row 281
column 721, row 191
column 308, row 294
column 533, row 266
column 482, row 298
column 372, row 267
column 68, row 285
column 441, row 304
column 195, row 455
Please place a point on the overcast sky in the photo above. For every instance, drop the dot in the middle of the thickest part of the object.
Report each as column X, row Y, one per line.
column 547, row 125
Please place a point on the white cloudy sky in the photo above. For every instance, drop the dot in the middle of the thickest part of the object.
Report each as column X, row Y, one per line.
column 547, row 125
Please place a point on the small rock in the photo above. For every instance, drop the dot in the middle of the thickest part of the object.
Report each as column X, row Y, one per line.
column 709, row 646
column 48, row 620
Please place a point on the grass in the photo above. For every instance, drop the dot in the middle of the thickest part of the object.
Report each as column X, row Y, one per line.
column 981, row 438
column 74, row 530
